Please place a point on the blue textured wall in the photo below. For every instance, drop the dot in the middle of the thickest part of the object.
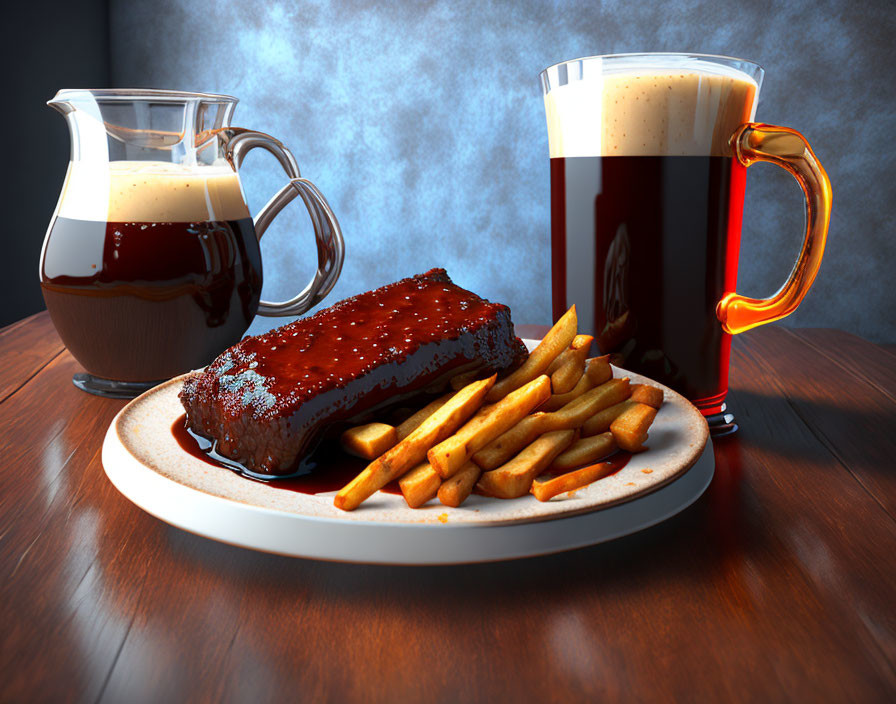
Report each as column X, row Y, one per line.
column 423, row 124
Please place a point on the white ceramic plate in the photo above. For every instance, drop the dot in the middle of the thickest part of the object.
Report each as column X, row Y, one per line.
column 144, row 461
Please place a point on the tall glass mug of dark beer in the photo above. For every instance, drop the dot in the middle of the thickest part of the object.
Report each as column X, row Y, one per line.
column 648, row 167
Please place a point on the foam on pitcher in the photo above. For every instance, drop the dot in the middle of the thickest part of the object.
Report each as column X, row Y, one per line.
column 151, row 191
column 649, row 112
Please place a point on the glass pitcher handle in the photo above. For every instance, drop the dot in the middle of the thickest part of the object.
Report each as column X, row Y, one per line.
column 327, row 233
column 788, row 149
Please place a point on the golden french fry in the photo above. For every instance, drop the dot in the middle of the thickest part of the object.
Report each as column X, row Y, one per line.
column 571, row 416
column 452, row 453
column 419, row 485
column 598, row 369
column 556, row 363
column 369, row 441
column 630, row 429
column 648, row 395
column 547, row 490
column 506, row 445
column 455, row 490
column 564, row 368
column 514, row 478
column 552, row 367
column 572, row 365
column 600, row 422
column 585, row 451
column 558, row 339
column 577, row 411
column 412, row 450
column 558, row 401
column 411, row 424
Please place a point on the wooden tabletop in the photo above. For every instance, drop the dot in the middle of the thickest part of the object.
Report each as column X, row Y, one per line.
column 779, row 584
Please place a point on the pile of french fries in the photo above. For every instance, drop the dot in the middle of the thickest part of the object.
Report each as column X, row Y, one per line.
column 559, row 413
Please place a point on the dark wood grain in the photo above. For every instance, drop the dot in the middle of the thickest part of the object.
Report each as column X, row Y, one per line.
column 25, row 348
column 842, row 417
column 876, row 364
column 777, row 585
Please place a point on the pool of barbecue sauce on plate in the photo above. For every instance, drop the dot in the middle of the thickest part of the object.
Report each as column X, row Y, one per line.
column 337, row 467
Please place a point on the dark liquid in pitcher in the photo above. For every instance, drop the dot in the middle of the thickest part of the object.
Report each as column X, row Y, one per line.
column 144, row 301
column 646, row 246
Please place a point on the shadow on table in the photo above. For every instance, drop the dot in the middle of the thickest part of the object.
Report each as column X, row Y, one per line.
column 816, row 430
column 282, row 622
column 711, row 532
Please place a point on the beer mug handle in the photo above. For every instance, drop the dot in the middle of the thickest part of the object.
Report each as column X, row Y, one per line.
column 327, row 233
column 788, row 149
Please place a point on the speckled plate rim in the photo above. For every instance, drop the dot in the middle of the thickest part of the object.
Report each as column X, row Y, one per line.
column 676, row 439
column 370, row 542
column 487, row 529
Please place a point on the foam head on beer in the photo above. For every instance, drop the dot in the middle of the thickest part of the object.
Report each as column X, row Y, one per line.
column 151, row 191
column 649, row 112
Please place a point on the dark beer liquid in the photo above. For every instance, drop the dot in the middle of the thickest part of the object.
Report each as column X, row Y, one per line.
column 144, row 301
column 646, row 246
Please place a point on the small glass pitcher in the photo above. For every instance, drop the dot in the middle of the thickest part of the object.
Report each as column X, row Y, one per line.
column 151, row 264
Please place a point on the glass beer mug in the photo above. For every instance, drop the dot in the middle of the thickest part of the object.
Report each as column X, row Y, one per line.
column 151, row 264
column 648, row 167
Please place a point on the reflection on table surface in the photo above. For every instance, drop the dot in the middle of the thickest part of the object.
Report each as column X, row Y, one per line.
column 777, row 581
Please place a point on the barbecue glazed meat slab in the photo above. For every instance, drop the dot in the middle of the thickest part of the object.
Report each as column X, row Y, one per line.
column 267, row 401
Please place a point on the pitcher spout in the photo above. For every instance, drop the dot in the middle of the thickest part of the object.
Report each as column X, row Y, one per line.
column 62, row 102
